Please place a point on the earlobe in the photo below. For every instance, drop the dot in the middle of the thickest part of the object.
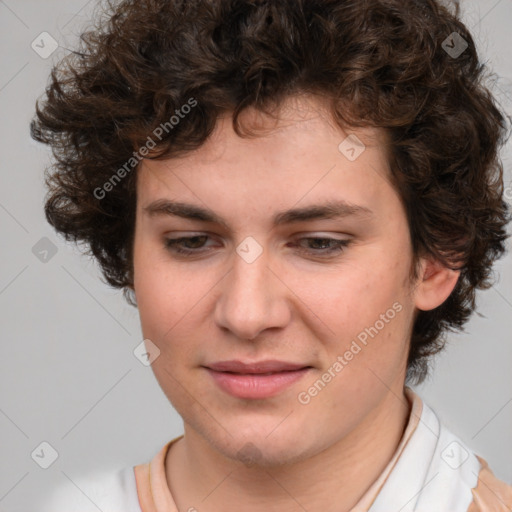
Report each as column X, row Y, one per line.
column 436, row 283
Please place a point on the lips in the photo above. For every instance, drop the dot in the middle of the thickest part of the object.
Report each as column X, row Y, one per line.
column 258, row 380
column 270, row 366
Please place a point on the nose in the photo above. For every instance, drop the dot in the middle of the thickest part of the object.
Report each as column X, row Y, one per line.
column 252, row 299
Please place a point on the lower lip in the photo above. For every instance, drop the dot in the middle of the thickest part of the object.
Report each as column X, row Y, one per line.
column 254, row 386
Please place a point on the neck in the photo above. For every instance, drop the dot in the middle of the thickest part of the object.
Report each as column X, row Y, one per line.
column 333, row 480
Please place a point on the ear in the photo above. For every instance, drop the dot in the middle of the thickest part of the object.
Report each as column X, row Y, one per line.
column 435, row 284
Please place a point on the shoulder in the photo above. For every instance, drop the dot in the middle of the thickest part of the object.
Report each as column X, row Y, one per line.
column 457, row 478
column 490, row 494
column 469, row 475
column 109, row 491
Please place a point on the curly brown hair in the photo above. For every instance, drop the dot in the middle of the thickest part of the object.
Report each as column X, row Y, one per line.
column 380, row 63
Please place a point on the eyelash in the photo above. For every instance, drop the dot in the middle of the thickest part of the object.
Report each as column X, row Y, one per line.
column 172, row 245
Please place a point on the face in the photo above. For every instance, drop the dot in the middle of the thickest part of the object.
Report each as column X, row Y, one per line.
column 275, row 321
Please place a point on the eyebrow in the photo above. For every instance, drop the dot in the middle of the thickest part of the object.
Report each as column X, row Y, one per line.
column 333, row 209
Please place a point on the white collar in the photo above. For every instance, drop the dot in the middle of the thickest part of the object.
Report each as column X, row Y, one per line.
column 435, row 471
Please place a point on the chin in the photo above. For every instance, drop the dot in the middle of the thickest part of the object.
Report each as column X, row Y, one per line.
column 264, row 454
column 263, row 447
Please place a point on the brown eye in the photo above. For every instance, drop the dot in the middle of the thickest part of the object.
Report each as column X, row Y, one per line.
column 185, row 245
column 324, row 246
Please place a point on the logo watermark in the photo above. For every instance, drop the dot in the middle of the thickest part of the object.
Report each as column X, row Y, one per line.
column 138, row 156
column 304, row 397
column 508, row 192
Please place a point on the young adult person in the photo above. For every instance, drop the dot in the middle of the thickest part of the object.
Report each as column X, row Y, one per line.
column 301, row 198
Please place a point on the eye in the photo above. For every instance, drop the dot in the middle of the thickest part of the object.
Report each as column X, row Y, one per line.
column 176, row 244
column 324, row 246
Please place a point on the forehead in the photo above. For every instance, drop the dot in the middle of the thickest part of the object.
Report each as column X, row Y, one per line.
column 299, row 117
column 297, row 152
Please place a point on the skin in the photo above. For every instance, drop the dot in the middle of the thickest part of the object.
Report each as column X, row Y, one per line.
column 289, row 304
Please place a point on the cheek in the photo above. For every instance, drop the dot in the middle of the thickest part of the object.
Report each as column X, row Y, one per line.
column 350, row 296
column 171, row 305
column 157, row 297
column 159, row 285
column 367, row 311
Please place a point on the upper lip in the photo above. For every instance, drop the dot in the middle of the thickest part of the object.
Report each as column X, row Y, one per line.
column 256, row 367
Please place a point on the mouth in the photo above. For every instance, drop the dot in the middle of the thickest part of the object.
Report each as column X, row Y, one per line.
column 258, row 380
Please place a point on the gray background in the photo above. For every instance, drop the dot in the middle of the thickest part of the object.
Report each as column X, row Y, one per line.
column 67, row 369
